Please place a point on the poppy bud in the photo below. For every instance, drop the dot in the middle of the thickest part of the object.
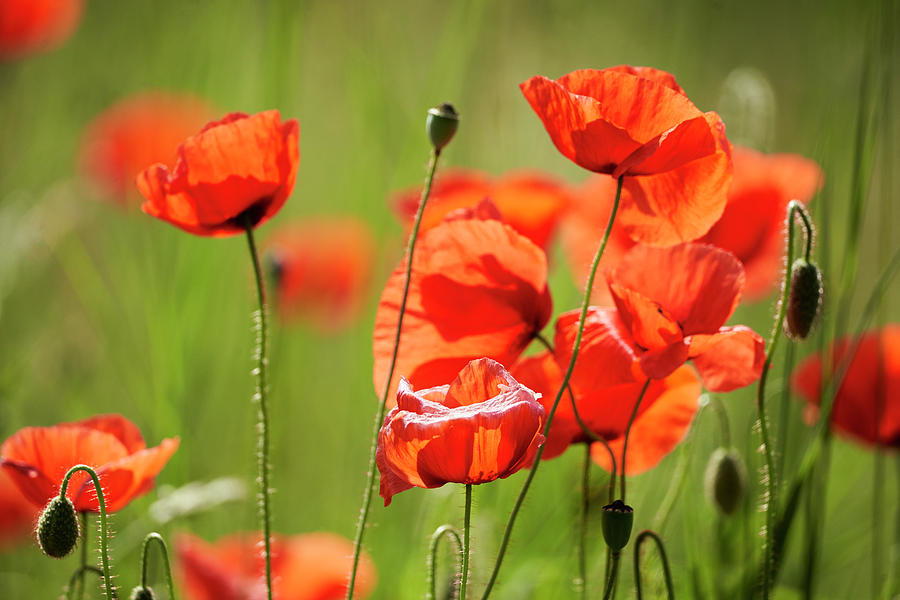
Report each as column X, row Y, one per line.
column 617, row 519
column 725, row 480
column 142, row 593
column 804, row 300
column 57, row 529
column 441, row 124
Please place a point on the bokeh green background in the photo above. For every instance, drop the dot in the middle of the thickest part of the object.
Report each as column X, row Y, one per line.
column 107, row 310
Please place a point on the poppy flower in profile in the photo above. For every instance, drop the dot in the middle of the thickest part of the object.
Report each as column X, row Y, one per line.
column 307, row 566
column 481, row 427
column 28, row 26
column 530, row 202
column 637, row 123
column 238, row 169
column 17, row 514
column 867, row 404
column 477, row 289
column 135, row 132
column 752, row 226
column 663, row 418
column 321, row 270
column 37, row 459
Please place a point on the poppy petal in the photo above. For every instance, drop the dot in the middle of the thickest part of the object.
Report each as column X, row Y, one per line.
column 605, row 341
column 730, row 359
column 687, row 141
column 124, row 430
column 142, row 466
column 651, row 326
column 541, row 373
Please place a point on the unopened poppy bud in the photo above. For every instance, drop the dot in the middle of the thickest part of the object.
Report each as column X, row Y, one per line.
column 57, row 529
column 441, row 124
column 804, row 299
column 142, row 593
column 725, row 480
column 617, row 520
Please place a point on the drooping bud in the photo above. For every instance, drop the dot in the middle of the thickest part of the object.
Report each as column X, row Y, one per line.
column 804, row 299
column 725, row 480
column 441, row 124
column 616, row 520
column 142, row 593
column 57, row 529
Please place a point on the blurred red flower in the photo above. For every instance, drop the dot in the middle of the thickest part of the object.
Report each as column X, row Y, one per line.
column 242, row 166
column 530, row 202
column 483, row 426
column 867, row 405
column 37, row 459
column 321, row 268
column 308, row 566
column 28, row 26
column 477, row 288
column 17, row 515
column 671, row 305
column 663, row 418
column 637, row 122
column 135, row 132
column 752, row 226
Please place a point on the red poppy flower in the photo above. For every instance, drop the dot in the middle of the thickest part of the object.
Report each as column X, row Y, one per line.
column 136, row 132
column 483, row 426
column 242, row 166
column 28, row 26
column 867, row 405
column 477, row 288
column 308, row 566
column 529, row 202
column 322, row 269
column 637, row 122
column 37, row 459
column 752, row 226
column 671, row 305
column 17, row 514
column 663, row 418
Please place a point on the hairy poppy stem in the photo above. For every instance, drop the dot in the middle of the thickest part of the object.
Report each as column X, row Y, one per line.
column 109, row 588
column 453, row 535
column 634, row 413
column 77, row 578
column 613, row 573
column 465, row 553
column 565, row 382
column 261, row 398
column 581, row 582
column 382, row 407
column 155, row 537
column 670, row 589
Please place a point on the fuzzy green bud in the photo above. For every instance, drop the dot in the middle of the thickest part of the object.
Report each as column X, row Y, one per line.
column 616, row 521
column 441, row 124
column 725, row 480
column 804, row 300
column 142, row 593
column 57, row 529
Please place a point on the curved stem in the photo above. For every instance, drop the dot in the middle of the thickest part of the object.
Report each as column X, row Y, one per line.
column 379, row 414
column 78, row 576
column 613, row 573
column 104, row 527
column 670, row 589
column 453, row 536
column 565, row 382
column 581, row 583
column 634, row 413
column 155, row 537
column 465, row 553
column 261, row 398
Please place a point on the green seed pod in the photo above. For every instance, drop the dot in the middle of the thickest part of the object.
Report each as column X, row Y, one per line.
column 441, row 124
column 142, row 593
column 725, row 480
column 804, row 299
column 617, row 519
column 57, row 529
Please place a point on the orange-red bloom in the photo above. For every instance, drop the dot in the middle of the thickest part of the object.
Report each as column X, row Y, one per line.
column 530, row 202
column 483, row 426
column 752, row 226
column 308, row 566
column 37, row 459
column 240, row 167
column 867, row 405
column 135, row 132
column 28, row 26
column 322, row 269
column 17, row 514
column 637, row 122
column 478, row 288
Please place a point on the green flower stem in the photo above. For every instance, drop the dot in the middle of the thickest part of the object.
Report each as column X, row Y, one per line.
column 634, row 413
column 466, row 546
column 581, row 582
column 670, row 589
column 382, row 407
column 453, row 535
column 104, row 527
column 78, row 577
column 565, row 382
column 261, row 398
column 84, row 553
column 613, row 573
column 155, row 537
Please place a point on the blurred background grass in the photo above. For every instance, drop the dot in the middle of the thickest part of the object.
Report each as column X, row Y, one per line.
column 108, row 310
